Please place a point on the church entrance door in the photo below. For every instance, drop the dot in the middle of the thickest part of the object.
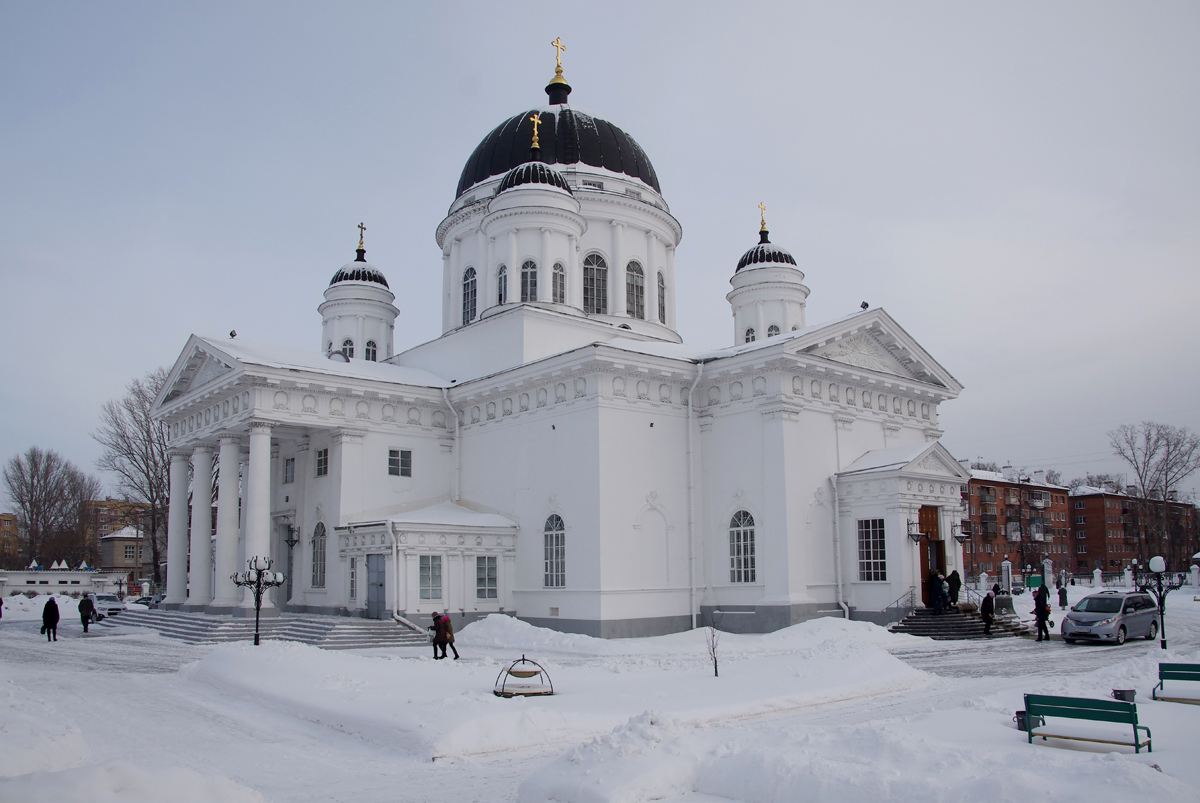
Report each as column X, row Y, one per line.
column 375, row 587
column 933, row 550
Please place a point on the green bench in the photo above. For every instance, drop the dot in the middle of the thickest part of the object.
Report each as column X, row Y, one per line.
column 1176, row 672
column 1039, row 706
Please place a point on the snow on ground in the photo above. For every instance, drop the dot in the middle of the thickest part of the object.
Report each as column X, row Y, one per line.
column 824, row 710
column 20, row 608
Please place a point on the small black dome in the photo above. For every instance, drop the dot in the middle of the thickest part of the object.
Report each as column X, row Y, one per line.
column 533, row 173
column 567, row 137
column 766, row 253
column 360, row 270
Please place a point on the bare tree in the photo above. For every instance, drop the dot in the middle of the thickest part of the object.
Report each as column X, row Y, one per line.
column 47, row 492
column 1161, row 457
column 712, row 638
column 982, row 465
column 135, row 451
column 1114, row 481
column 1054, row 477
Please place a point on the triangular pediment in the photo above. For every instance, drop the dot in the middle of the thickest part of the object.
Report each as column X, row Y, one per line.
column 196, row 368
column 939, row 462
column 863, row 351
column 920, row 459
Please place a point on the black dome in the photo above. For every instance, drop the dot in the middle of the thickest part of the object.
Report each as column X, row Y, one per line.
column 533, row 173
column 765, row 253
column 360, row 270
column 566, row 136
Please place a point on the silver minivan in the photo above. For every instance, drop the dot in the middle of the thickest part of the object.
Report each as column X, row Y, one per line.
column 1111, row 616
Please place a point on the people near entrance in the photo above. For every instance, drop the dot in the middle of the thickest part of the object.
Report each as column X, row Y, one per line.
column 443, row 636
column 1041, row 611
column 87, row 610
column 995, row 589
column 1062, row 597
column 935, row 593
column 954, row 581
column 987, row 612
column 50, row 620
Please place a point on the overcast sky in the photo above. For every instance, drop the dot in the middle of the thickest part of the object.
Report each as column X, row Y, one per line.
column 1019, row 185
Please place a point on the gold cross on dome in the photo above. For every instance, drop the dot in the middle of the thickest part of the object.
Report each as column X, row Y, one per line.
column 361, row 230
column 536, row 119
column 559, row 47
column 763, row 209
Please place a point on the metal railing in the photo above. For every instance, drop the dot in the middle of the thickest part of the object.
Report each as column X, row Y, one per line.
column 903, row 605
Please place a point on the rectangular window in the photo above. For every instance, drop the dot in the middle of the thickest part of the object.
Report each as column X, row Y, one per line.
column 130, row 551
column 595, row 290
column 742, row 562
column 485, row 577
column 1081, row 549
column 1079, row 504
column 400, row 462
column 555, row 549
column 1081, row 519
column 318, row 557
column 289, row 470
column 353, row 575
column 872, row 555
column 431, row 576
column 322, row 462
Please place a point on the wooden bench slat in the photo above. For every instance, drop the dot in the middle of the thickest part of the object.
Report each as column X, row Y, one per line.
column 1127, row 743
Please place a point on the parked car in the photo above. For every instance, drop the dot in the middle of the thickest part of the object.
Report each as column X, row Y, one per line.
column 1111, row 616
column 151, row 601
column 107, row 604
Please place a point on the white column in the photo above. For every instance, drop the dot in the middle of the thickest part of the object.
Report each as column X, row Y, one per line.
column 484, row 269
column 514, row 270
column 449, row 321
column 671, row 286
column 616, row 275
column 651, row 277
column 258, row 502
column 226, row 559
column 177, row 534
column 760, row 325
column 574, row 273
column 200, row 568
column 544, row 270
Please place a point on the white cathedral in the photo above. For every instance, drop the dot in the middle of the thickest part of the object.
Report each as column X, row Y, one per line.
column 558, row 453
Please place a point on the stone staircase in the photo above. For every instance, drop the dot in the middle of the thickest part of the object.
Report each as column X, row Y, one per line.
column 949, row 626
column 327, row 632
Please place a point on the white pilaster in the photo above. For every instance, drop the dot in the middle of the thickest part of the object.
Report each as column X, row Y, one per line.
column 670, row 286
column 226, row 558
column 514, row 269
column 258, row 502
column 545, row 270
column 616, row 281
column 574, row 273
column 200, row 565
column 177, row 534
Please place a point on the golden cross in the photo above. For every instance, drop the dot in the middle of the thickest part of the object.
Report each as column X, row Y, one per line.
column 763, row 209
column 559, row 47
column 361, row 229
column 537, row 120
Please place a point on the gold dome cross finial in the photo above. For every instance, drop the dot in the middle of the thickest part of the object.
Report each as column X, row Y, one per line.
column 361, row 230
column 762, row 208
column 536, row 119
column 559, row 47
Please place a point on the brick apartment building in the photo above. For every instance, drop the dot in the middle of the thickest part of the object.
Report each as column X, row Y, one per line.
column 10, row 548
column 102, row 517
column 1110, row 529
column 1022, row 519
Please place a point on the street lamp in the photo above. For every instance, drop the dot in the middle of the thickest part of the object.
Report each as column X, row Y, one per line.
column 291, row 542
column 258, row 579
column 960, row 534
column 914, row 532
column 1157, row 588
column 120, row 581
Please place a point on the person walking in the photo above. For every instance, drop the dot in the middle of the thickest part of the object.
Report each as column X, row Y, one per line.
column 439, row 635
column 954, row 581
column 50, row 620
column 1062, row 598
column 449, row 637
column 1041, row 611
column 87, row 609
column 987, row 612
column 935, row 592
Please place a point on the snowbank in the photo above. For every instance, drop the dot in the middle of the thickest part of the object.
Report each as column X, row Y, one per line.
column 24, row 609
column 120, row 782
column 34, row 736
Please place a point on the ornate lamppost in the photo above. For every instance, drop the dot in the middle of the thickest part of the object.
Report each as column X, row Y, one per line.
column 291, row 542
column 120, row 581
column 1152, row 583
column 258, row 579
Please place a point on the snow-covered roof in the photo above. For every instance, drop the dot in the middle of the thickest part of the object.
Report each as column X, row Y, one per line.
column 272, row 356
column 127, row 531
column 448, row 515
column 1091, row 490
column 886, row 459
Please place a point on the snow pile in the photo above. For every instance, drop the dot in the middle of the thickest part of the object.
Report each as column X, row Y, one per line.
column 33, row 735
column 24, row 609
column 120, row 782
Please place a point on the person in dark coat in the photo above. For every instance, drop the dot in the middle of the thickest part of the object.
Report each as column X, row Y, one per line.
column 50, row 620
column 987, row 612
column 1062, row 597
column 955, row 583
column 935, row 592
column 439, row 635
column 1041, row 611
column 87, row 609
column 449, row 638
column 995, row 589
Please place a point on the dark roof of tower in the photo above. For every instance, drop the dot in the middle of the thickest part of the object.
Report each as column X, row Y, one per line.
column 765, row 253
column 360, row 270
column 533, row 173
column 567, row 136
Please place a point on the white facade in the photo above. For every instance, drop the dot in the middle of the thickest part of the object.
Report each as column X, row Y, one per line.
column 574, row 464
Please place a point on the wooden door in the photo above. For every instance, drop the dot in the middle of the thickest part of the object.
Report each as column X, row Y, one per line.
column 376, row 598
column 933, row 549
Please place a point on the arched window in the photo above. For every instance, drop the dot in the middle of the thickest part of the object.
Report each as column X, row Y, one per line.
column 560, row 284
column 795, row 327
column 502, row 285
column 741, row 548
column 468, row 296
column 749, row 335
column 529, row 281
column 329, row 348
column 595, row 285
column 635, row 291
column 662, row 298
column 318, row 556
column 772, row 330
column 555, row 536
column 370, row 352
column 348, row 348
